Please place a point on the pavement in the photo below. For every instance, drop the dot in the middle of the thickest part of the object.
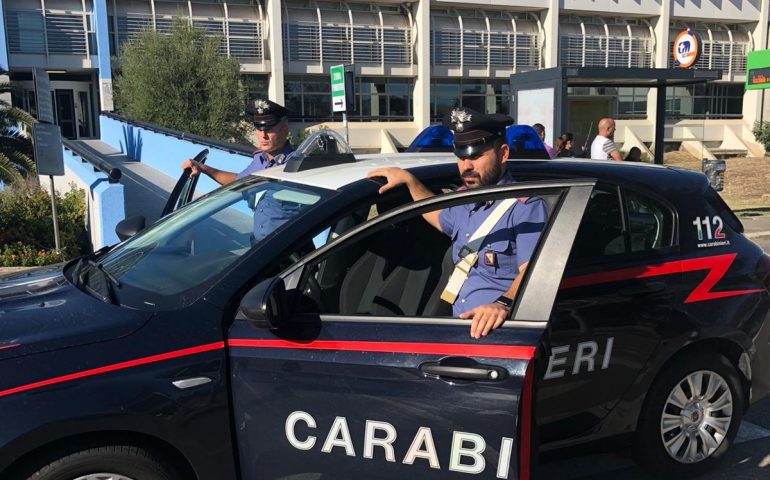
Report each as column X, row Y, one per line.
column 757, row 228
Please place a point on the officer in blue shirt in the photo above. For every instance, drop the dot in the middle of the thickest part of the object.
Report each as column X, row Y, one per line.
column 487, row 294
column 272, row 124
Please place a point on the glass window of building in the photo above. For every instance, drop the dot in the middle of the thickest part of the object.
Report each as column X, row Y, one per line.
column 488, row 96
column 631, row 103
column 709, row 101
column 64, row 27
column 254, row 86
column 308, row 97
column 621, row 103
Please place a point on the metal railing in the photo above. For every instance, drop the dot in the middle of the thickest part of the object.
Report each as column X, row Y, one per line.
column 37, row 31
column 99, row 165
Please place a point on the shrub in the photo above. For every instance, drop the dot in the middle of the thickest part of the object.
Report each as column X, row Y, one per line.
column 22, row 255
column 26, row 228
column 761, row 133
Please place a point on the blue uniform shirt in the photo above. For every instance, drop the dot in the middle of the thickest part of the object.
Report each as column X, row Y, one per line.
column 270, row 213
column 508, row 245
column 261, row 161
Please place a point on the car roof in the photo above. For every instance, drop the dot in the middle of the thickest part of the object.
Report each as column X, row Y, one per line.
column 336, row 176
column 656, row 177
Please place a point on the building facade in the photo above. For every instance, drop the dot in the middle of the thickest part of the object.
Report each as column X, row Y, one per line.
column 414, row 60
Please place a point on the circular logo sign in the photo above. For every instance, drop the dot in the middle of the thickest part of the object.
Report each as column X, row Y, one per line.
column 686, row 49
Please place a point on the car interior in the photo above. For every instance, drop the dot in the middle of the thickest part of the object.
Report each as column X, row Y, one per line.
column 399, row 270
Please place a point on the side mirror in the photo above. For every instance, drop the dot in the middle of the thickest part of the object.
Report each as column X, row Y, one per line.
column 265, row 304
column 128, row 227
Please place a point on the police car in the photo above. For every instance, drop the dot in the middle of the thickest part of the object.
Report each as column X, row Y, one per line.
column 197, row 349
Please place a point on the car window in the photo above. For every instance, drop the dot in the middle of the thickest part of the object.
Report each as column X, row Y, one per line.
column 650, row 223
column 158, row 267
column 601, row 231
column 402, row 267
column 603, row 234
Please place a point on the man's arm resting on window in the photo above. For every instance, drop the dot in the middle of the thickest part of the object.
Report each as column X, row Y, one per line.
column 488, row 317
column 395, row 176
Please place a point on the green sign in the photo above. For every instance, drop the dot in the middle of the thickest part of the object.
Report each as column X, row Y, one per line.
column 338, row 88
column 758, row 70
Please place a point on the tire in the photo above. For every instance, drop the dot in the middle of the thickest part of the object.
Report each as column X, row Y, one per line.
column 687, row 441
column 115, row 462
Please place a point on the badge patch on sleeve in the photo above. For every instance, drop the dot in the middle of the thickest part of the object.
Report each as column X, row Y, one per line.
column 490, row 258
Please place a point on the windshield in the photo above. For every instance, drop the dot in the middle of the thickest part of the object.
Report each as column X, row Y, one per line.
column 193, row 245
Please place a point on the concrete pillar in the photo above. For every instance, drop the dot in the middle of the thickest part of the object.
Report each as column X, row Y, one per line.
column 101, row 26
column 421, row 96
column 752, row 99
column 275, row 48
column 662, row 53
column 551, row 28
column 6, row 97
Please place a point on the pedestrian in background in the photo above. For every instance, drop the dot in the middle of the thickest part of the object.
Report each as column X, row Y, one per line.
column 540, row 129
column 634, row 155
column 564, row 145
column 603, row 146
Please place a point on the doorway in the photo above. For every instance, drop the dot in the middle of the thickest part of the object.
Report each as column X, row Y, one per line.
column 584, row 114
column 65, row 113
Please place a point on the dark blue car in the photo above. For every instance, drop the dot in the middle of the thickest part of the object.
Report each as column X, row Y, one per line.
column 194, row 350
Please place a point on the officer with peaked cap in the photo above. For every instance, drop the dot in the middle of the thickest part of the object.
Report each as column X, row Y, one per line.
column 272, row 125
column 486, row 295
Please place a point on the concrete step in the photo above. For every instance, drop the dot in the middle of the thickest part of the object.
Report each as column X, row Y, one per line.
column 722, row 153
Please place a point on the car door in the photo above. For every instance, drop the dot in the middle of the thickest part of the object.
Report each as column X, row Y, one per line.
column 378, row 382
column 621, row 293
column 183, row 190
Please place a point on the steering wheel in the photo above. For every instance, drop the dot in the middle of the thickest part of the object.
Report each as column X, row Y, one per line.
column 311, row 289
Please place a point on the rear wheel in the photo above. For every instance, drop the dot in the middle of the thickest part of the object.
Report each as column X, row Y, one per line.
column 691, row 415
column 116, row 462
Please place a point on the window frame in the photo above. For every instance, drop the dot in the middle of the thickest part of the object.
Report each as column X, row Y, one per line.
column 628, row 255
column 531, row 305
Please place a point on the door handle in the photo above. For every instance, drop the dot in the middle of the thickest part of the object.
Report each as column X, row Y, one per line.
column 482, row 372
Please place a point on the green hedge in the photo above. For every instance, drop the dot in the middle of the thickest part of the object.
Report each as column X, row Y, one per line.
column 26, row 228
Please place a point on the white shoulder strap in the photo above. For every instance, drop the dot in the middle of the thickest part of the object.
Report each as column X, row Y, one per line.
column 469, row 254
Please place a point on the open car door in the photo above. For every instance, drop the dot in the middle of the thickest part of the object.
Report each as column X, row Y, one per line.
column 348, row 365
column 183, row 191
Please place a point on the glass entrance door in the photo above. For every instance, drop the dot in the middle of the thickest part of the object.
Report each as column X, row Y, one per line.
column 65, row 113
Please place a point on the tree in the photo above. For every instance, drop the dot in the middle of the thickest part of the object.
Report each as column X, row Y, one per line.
column 180, row 81
column 15, row 149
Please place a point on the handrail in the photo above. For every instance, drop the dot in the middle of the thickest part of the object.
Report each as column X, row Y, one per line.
column 209, row 142
column 113, row 173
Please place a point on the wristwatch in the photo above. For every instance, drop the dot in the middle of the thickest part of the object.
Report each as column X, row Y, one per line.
column 505, row 301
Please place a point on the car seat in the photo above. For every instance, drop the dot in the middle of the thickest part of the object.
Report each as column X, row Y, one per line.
column 397, row 273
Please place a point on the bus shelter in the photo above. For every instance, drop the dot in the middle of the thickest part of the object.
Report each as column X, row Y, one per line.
column 541, row 95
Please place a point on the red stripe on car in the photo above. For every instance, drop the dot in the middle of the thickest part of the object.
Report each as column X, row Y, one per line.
column 114, row 367
column 716, row 265
column 420, row 348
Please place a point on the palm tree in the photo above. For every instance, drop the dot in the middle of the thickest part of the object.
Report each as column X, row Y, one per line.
column 15, row 148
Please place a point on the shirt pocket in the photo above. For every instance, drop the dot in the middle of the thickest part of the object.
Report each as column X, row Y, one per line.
column 498, row 257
